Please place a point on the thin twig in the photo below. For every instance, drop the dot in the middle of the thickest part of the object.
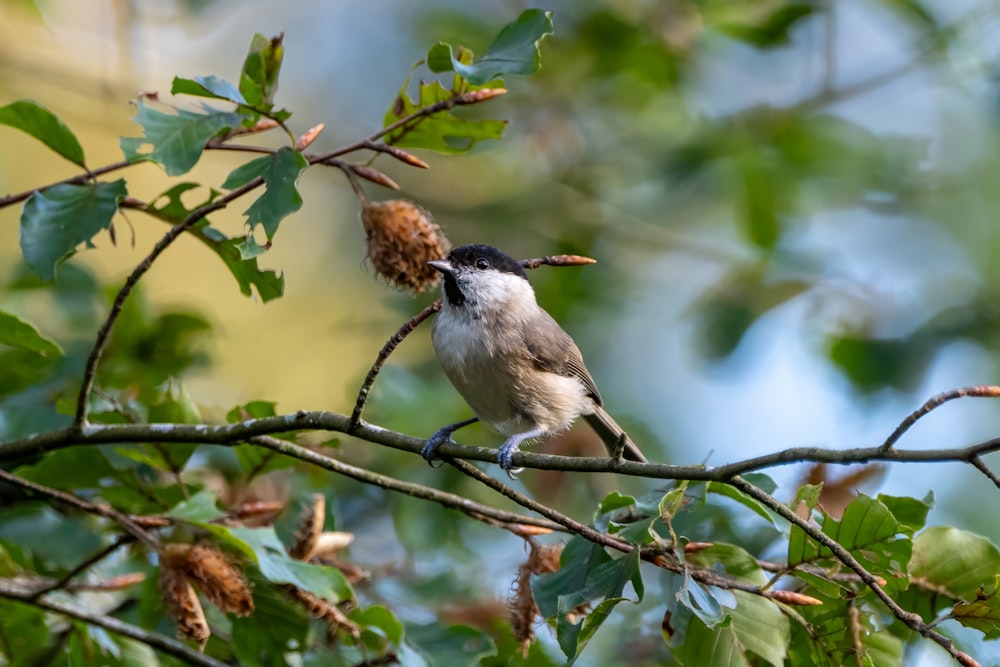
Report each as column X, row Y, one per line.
column 383, row 354
column 910, row 619
column 527, row 502
column 982, row 391
column 172, row 647
column 245, row 148
column 398, row 153
column 90, row 370
column 79, row 179
column 980, row 465
column 93, row 560
column 126, row 522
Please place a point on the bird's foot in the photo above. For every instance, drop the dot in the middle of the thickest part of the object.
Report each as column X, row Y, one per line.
column 505, row 457
column 440, row 437
column 429, row 450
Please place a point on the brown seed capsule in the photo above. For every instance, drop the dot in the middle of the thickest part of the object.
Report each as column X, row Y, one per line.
column 184, row 605
column 219, row 579
column 310, row 528
column 401, row 238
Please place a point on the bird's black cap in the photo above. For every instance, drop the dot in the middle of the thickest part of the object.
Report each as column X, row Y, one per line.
column 485, row 257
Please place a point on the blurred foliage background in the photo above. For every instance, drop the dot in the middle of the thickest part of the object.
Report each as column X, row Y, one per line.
column 792, row 206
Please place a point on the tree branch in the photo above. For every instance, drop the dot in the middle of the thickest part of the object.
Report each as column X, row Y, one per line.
column 79, row 179
column 126, row 522
column 982, row 391
column 172, row 647
column 228, row 434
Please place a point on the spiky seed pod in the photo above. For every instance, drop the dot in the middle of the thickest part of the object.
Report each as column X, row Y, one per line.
column 400, row 238
column 219, row 579
column 521, row 606
column 325, row 611
column 310, row 529
column 183, row 604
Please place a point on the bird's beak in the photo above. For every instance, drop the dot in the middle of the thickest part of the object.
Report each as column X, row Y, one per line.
column 442, row 265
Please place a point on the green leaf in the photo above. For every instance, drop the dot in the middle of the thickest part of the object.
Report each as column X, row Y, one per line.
column 443, row 131
column 756, row 627
column 74, row 468
column 199, row 508
column 445, row 645
column 169, row 207
column 870, row 532
column 259, row 78
column 954, row 560
column 773, row 29
column 34, row 119
column 738, row 562
column 615, row 501
column 25, row 629
column 264, row 547
column 55, row 221
column 263, row 637
column 983, row 614
column 248, row 171
column 281, row 196
column 207, row 86
column 18, row 333
column 514, row 51
column 379, row 617
column 737, row 495
column 176, row 140
column 586, row 574
column 909, row 512
column 763, row 205
column 249, row 249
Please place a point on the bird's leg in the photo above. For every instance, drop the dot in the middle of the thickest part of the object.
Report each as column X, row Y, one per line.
column 507, row 449
column 441, row 436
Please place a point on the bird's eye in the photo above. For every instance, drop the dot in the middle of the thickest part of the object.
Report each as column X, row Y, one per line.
column 482, row 263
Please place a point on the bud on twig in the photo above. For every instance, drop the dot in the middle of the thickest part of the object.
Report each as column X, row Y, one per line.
column 373, row 175
column 308, row 137
column 477, row 96
column 791, row 597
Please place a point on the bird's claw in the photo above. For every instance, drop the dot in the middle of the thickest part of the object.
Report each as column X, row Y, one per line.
column 433, row 443
column 505, row 457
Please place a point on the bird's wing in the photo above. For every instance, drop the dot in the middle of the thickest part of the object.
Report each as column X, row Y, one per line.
column 553, row 350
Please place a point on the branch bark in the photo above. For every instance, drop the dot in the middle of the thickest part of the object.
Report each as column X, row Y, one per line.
column 172, row 647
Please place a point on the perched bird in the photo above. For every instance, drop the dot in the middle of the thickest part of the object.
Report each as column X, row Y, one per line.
column 512, row 363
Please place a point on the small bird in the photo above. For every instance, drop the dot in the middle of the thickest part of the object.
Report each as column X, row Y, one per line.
column 512, row 363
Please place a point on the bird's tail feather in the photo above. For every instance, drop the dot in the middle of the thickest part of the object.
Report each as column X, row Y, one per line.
column 611, row 433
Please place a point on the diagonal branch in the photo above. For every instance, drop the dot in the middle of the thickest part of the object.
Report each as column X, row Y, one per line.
column 79, row 179
column 90, row 370
column 126, row 522
column 450, row 500
column 11, row 590
column 983, row 391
